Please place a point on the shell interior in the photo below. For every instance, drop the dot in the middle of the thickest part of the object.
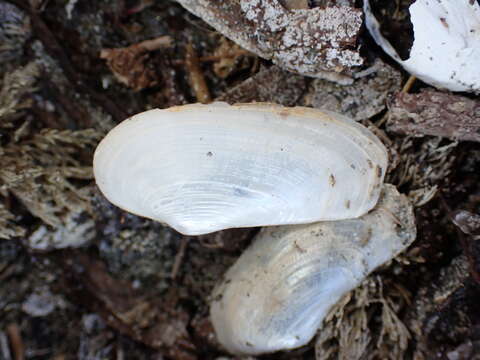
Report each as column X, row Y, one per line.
column 203, row 168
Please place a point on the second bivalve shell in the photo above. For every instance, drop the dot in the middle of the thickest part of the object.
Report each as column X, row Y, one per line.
column 278, row 292
column 202, row 168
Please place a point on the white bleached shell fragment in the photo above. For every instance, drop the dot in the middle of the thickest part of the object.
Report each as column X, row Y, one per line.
column 446, row 47
column 278, row 292
column 203, row 168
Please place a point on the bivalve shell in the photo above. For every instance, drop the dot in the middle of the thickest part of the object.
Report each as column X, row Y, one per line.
column 446, row 47
column 203, row 168
column 278, row 292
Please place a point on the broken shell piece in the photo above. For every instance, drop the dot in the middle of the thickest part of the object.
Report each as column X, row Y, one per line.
column 278, row 292
column 446, row 48
column 203, row 168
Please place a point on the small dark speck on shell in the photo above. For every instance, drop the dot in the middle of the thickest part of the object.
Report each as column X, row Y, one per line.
column 239, row 192
column 332, row 180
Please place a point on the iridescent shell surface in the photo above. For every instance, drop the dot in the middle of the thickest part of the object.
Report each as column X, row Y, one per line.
column 277, row 294
column 203, row 168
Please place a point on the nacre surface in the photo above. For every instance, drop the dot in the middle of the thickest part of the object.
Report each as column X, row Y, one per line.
column 203, row 168
column 278, row 292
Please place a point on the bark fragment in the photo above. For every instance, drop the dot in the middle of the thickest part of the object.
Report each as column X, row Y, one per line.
column 366, row 97
column 435, row 113
column 269, row 85
column 319, row 42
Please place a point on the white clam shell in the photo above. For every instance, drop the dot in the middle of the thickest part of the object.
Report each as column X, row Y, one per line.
column 280, row 289
column 446, row 48
column 203, row 168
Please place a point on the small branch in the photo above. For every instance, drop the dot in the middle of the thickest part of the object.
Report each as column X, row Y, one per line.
column 408, row 85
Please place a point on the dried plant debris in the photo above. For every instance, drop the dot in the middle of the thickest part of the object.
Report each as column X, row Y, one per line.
column 423, row 165
column 130, row 65
column 196, row 77
column 15, row 88
column 366, row 97
column 144, row 255
column 444, row 314
column 8, row 229
column 15, row 30
column 350, row 331
column 435, row 113
column 468, row 222
column 41, row 170
column 269, row 85
column 231, row 58
column 158, row 323
column 44, row 177
column 319, row 42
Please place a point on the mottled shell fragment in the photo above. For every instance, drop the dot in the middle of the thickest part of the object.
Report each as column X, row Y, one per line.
column 278, row 292
column 203, row 168
column 446, row 47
